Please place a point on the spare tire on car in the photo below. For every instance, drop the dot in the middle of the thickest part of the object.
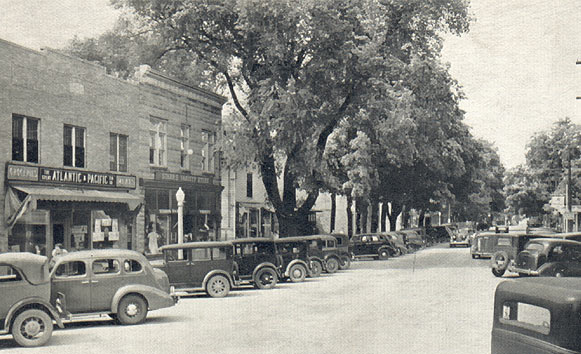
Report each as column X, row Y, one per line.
column 499, row 263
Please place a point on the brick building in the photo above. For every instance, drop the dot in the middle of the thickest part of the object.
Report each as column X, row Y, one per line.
column 92, row 161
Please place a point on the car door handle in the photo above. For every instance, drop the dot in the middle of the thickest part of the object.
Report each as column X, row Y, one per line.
column 94, row 281
column 85, row 282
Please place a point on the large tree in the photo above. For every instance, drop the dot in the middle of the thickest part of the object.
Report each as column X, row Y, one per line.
column 296, row 69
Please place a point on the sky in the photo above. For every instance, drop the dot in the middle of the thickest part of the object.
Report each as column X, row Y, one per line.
column 517, row 65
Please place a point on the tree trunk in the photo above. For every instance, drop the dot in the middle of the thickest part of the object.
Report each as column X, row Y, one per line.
column 383, row 216
column 374, row 216
column 333, row 212
column 405, row 217
column 421, row 218
column 395, row 211
column 349, row 216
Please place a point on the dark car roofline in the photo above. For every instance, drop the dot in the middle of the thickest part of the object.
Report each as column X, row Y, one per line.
column 555, row 240
column 298, row 238
column 543, row 287
column 100, row 253
column 200, row 244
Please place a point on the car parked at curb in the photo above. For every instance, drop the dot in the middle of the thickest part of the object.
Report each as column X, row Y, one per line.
column 414, row 240
column 293, row 253
column 371, row 245
column 25, row 308
column 461, row 238
column 537, row 316
column 116, row 282
column 398, row 241
column 325, row 248
column 342, row 243
column 257, row 261
column 200, row 266
column 549, row 257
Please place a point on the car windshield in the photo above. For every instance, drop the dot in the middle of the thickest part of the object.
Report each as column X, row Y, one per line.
column 534, row 247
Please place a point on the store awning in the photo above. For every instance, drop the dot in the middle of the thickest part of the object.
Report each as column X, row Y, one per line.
column 15, row 208
column 81, row 195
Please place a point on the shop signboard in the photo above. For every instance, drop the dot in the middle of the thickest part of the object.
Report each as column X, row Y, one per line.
column 181, row 177
column 50, row 175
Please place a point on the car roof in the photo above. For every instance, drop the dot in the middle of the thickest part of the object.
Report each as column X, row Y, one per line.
column 33, row 266
column 200, row 244
column 100, row 253
column 252, row 240
column 547, row 240
column 566, row 290
column 299, row 238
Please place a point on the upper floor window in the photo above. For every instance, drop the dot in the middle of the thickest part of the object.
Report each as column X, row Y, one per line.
column 185, row 147
column 74, row 146
column 249, row 185
column 209, row 140
column 24, row 138
column 118, row 152
column 157, row 142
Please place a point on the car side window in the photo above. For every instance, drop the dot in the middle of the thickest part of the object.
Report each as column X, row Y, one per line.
column 201, row 254
column 218, row 253
column 132, row 266
column 105, row 266
column 9, row 274
column 71, row 269
column 172, row 255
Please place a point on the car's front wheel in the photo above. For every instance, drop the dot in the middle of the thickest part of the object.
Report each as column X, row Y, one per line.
column 297, row 273
column 316, row 269
column 265, row 278
column 218, row 286
column 32, row 328
column 345, row 263
column 132, row 310
column 332, row 265
column 499, row 263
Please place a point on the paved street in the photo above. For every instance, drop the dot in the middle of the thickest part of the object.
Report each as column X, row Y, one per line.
column 438, row 300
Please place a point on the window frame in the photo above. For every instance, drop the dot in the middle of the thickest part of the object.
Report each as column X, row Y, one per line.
column 74, row 131
column 117, row 162
column 24, row 133
column 158, row 131
column 185, row 134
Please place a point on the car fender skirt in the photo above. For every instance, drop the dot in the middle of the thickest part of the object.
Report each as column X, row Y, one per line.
column 34, row 302
column 156, row 298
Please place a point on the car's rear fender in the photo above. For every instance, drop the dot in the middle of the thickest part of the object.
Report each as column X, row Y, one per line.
column 156, row 298
column 267, row 265
column 292, row 263
column 315, row 258
column 28, row 303
column 217, row 272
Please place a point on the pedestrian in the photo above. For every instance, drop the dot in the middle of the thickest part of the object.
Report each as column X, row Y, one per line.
column 152, row 238
column 58, row 250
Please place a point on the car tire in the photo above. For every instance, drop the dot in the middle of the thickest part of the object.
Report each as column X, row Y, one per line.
column 383, row 253
column 499, row 262
column 316, row 269
column 32, row 328
column 218, row 286
column 331, row 265
column 297, row 273
column 473, row 256
column 561, row 272
column 345, row 263
column 132, row 310
column 265, row 278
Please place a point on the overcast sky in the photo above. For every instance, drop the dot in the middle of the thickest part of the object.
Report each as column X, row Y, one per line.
column 517, row 64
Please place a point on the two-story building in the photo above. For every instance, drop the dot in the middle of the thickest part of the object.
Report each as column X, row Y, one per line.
column 93, row 161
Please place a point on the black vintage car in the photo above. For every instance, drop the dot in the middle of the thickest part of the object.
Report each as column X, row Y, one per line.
column 371, row 245
column 549, row 257
column 200, row 266
column 325, row 248
column 293, row 253
column 342, row 242
column 537, row 316
column 257, row 261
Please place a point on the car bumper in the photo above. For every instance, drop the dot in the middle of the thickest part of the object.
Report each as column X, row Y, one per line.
column 514, row 269
column 460, row 243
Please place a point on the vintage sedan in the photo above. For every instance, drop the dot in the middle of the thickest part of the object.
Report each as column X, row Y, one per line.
column 549, row 257
column 293, row 253
column 200, row 266
column 258, row 263
column 25, row 308
column 462, row 237
column 342, row 244
column 537, row 316
column 371, row 245
column 120, row 283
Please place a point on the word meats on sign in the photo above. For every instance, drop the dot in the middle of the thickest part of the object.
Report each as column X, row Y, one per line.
column 73, row 177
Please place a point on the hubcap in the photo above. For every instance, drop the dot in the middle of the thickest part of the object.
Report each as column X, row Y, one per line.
column 266, row 279
column 218, row 286
column 132, row 310
column 32, row 327
column 297, row 273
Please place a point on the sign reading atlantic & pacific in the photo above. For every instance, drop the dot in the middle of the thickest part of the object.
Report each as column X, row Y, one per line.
column 71, row 177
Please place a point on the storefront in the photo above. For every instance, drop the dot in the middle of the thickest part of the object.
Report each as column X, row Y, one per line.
column 255, row 220
column 201, row 209
column 79, row 209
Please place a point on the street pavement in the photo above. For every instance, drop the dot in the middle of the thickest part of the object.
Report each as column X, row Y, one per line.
column 437, row 300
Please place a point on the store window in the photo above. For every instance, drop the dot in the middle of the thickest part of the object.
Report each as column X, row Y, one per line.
column 157, row 142
column 74, row 146
column 118, row 152
column 25, row 138
column 185, row 147
column 209, row 140
column 106, row 229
